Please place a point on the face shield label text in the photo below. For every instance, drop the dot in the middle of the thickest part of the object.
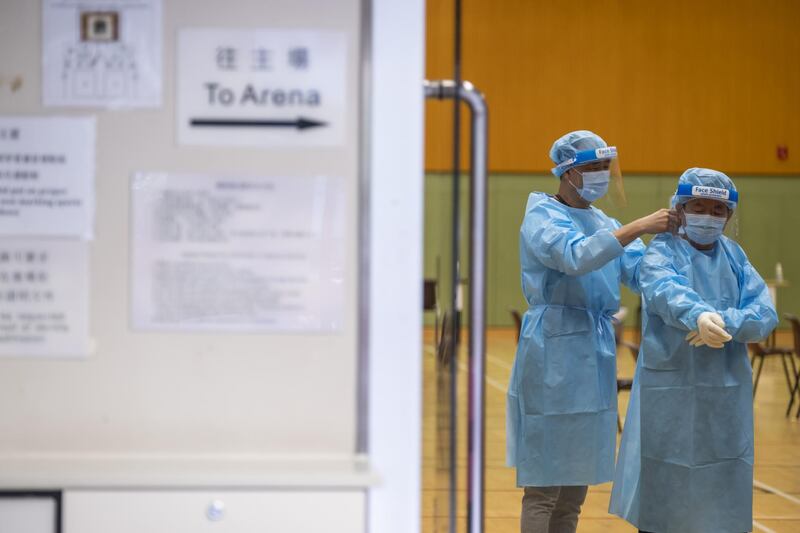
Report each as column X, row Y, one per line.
column 710, row 192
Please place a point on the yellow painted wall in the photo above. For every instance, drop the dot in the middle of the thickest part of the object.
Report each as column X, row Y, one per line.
column 673, row 84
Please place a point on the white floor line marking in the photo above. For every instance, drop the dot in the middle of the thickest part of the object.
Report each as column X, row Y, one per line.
column 489, row 381
column 777, row 492
column 496, row 384
column 762, row 527
column 499, row 362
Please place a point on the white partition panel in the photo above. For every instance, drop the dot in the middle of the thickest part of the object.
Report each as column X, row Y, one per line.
column 194, row 406
column 395, row 342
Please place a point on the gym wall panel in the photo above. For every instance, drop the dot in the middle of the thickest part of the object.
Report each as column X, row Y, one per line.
column 768, row 218
column 674, row 84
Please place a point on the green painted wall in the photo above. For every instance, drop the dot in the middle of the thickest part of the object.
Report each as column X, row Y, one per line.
column 769, row 219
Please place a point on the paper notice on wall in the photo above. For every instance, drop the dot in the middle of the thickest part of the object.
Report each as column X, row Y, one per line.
column 232, row 253
column 47, row 176
column 44, row 307
column 101, row 53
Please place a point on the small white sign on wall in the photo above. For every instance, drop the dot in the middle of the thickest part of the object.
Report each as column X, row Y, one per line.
column 101, row 53
column 47, row 176
column 238, row 253
column 44, row 297
column 261, row 87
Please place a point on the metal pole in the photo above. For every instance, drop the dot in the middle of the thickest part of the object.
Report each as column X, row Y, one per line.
column 441, row 90
column 456, row 250
column 477, row 293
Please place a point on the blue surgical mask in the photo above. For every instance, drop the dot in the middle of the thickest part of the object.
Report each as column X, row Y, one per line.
column 595, row 185
column 704, row 229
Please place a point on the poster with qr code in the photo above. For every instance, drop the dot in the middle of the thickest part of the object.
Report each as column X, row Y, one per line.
column 101, row 53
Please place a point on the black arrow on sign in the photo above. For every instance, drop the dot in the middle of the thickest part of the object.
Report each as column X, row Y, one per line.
column 301, row 123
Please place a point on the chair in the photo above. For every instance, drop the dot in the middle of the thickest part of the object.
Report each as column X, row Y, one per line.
column 446, row 401
column 624, row 384
column 445, row 348
column 795, row 322
column 430, row 302
column 638, row 329
column 517, row 318
column 761, row 352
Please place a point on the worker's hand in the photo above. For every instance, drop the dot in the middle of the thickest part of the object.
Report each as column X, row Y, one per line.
column 695, row 339
column 661, row 221
column 711, row 328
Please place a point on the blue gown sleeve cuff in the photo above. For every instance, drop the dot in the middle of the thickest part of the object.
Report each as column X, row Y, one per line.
column 611, row 247
column 691, row 318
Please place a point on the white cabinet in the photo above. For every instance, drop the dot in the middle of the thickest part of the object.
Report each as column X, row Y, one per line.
column 234, row 511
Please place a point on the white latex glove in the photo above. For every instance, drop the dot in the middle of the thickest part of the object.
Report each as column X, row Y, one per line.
column 711, row 328
column 695, row 339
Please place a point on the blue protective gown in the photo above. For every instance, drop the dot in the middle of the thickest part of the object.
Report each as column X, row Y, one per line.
column 562, row 397
column 686, row 458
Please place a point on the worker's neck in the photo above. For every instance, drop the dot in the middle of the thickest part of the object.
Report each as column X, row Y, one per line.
column 569, row 196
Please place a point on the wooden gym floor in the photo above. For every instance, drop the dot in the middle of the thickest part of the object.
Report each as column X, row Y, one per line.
column 776, row 494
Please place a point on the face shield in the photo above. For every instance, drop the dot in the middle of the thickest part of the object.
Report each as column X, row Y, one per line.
column 706, row 212
column 600, row 174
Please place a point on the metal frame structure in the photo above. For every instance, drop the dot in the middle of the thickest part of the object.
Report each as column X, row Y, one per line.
column 446, row 89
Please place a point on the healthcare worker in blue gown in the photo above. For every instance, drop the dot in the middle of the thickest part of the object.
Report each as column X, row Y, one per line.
column 686, row 458
column 562, row 401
